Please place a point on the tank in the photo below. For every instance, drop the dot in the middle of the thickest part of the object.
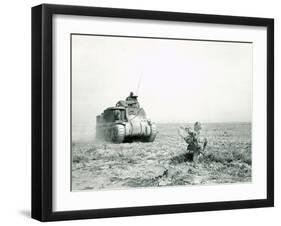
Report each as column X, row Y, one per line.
column 126, row 121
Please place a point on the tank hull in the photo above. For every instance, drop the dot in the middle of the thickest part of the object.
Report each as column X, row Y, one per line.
column 141, row 130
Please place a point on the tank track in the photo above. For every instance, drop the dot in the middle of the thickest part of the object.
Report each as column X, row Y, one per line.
column 117, row 134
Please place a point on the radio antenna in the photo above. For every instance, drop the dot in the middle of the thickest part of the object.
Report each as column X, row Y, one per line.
column 139, row 82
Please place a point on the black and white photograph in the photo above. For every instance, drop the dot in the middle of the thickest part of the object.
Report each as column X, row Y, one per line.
column 152, row 112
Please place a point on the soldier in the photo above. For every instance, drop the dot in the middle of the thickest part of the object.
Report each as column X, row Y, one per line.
column 195, row 145
column 132, row 100
column 131, row 97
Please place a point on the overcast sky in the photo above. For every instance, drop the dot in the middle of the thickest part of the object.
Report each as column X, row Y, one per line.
column 181, row 80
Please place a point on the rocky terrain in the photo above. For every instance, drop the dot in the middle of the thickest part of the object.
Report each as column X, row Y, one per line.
column 227, row 159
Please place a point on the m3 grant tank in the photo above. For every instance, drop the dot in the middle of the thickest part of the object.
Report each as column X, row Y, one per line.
column 126, row 121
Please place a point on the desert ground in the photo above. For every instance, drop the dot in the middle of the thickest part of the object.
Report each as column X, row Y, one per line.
column 227, row 159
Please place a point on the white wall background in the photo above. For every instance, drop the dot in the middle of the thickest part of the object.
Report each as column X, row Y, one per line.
column 15, row 112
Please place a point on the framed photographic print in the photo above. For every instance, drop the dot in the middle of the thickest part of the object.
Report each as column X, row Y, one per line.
column 140, row 112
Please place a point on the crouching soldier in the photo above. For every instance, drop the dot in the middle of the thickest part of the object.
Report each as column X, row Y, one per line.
column 195, row 144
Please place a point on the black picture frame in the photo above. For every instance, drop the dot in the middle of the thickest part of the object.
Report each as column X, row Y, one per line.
column 42, row 106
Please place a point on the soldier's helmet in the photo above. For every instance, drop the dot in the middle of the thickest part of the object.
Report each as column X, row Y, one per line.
column 197, row 126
